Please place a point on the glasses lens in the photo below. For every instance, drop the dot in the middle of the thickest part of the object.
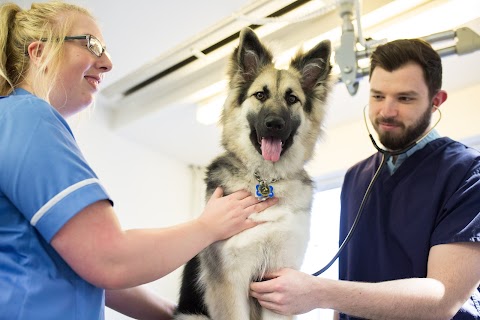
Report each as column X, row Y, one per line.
column 95, row 46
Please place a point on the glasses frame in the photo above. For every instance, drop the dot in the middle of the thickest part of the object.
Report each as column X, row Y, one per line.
column 89, row 46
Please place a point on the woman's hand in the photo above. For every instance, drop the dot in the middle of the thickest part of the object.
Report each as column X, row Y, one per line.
column 226, row 216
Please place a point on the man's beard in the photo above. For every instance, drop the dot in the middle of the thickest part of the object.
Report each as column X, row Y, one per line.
column 410, row 134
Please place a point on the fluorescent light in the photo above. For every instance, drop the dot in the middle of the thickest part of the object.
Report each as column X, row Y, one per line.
column 209, row 91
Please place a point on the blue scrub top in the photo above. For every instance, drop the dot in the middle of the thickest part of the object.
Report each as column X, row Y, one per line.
column 44, row 182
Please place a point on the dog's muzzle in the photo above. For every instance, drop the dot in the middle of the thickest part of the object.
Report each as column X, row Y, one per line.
column 271, row 133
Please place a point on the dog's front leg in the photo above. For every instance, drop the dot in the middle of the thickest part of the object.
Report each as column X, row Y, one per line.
column 227, row 301
column 269, row 315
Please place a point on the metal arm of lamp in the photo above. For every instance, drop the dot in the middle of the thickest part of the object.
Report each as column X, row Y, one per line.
column 347, row 55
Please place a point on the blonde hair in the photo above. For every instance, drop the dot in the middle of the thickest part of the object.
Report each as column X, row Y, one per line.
column 48, row 22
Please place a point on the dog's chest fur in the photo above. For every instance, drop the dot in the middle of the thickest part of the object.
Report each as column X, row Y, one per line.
column 285, row 226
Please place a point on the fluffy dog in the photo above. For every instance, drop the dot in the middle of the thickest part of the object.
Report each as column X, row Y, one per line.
column 271, row 121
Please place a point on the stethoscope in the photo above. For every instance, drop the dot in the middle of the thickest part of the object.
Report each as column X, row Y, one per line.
column 385, row 155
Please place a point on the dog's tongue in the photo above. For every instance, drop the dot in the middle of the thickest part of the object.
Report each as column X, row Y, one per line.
column 271, row 149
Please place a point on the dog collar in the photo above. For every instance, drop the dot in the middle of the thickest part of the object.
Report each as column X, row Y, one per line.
column 264, row 189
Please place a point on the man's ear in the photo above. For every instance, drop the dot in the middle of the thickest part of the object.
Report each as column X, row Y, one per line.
column 438, row 99
column 35, row 51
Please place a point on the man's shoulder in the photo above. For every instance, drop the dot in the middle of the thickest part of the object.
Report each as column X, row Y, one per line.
column 455, row 157
column 453, row 150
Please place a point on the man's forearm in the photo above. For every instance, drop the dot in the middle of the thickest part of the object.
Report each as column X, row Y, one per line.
column 400, row 299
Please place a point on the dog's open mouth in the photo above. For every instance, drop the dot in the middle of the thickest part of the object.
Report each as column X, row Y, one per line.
column 271, row 148
column 272, row 135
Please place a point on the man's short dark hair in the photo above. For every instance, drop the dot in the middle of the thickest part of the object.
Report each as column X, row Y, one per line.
column 395, row 54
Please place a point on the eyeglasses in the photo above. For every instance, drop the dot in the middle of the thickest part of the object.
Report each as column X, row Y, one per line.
column 93, row 44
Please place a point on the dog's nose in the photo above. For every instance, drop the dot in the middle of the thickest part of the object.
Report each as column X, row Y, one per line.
column 274, row 123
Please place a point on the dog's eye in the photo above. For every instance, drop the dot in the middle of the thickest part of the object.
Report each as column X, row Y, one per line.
column 291, row 99
column 260, row 95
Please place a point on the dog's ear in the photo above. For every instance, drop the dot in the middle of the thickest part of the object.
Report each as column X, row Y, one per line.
column 251, row 55
column 314, row 65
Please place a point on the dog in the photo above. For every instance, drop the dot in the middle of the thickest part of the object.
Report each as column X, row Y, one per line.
column 271, row 121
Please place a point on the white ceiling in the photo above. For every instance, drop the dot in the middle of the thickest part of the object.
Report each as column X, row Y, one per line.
column 140, row 31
